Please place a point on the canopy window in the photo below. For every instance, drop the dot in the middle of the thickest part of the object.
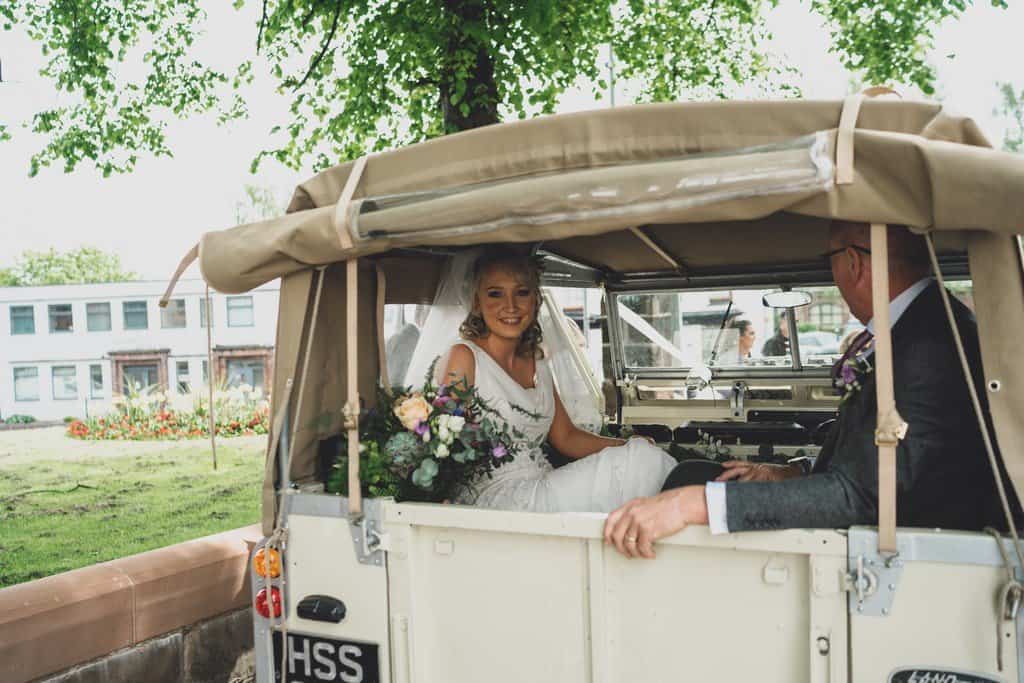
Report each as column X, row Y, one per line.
column 638, row 191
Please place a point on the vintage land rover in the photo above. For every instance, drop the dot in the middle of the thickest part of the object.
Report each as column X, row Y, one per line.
column 672, row 219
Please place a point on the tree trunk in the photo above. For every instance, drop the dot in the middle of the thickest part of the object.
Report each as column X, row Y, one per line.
column 481, row 91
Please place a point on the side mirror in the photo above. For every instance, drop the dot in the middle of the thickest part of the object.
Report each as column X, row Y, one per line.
column 791, row 299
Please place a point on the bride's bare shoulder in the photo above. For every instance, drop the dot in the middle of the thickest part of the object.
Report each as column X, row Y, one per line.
column 461, row 366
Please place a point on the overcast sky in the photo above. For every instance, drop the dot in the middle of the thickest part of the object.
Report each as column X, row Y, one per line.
column 152, row 216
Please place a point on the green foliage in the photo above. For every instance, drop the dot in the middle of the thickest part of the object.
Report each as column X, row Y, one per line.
column 19, row 419
column 121, row 112
column 887, row 41
column 1012, row 108
column 259, row 204
column 82, row 265
column 367, row 76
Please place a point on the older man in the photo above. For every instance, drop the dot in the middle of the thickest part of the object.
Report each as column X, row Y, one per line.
column 943, row 476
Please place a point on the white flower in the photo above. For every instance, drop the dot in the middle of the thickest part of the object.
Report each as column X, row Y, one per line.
column 456, row 424
column 441, row 451
column 442, row 422
column 444, row 434
column 426, row 436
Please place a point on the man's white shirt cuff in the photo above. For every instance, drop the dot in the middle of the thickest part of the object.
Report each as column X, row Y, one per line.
column 718, row 521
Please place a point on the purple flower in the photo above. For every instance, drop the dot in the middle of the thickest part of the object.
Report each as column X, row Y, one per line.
column 440, row 401
column 421, row 427
column 848, row 374
column 499, row 451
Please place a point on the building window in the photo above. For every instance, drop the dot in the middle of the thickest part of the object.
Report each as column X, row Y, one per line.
column 173, row 315
column 65, row 383
column 23, row 320
column 205, row 311
column 97, row 317
column 136, row 316
column 240, row 311
column 181, row 372
column 245, row 371
column 140, row 376
column 26, row 384
column 828, row 316
column 61, row 319
column 206, row 372
column 96, row 381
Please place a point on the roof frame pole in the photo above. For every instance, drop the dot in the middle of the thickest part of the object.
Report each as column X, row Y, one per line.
column 382, row 361
column 664, row 255
column 890, row 427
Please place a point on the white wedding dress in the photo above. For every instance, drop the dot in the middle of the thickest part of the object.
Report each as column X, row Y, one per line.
column 597, row 483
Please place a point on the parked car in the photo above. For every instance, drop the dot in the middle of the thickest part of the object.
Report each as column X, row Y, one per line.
column 818, row 343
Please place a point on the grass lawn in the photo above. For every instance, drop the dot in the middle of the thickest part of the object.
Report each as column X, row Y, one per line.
column 130, row 497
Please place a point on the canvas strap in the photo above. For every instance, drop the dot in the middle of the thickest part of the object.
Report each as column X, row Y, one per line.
column 350, row 414
column 341, row 210
column 847, row 125
column 891, row 427
column 190, row 257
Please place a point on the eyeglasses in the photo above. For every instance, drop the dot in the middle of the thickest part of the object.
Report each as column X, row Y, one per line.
column 827, row 256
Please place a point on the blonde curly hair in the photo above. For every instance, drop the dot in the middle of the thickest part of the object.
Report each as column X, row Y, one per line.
column 518, row 261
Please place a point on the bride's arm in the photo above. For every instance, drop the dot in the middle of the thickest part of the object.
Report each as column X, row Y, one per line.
column 570, row 440
column 461, row 367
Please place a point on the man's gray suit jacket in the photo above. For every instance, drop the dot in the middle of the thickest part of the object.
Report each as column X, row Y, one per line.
column 943, row 475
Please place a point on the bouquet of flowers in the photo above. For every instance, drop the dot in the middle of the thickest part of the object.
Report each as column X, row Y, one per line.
column 427, row 444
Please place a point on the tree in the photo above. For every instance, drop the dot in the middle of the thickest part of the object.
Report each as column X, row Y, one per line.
column 82, row 265
column 372, row 75
column 260, row 204
column 1012, row 108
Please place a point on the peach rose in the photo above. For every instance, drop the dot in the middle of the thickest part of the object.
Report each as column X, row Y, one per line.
column 412, row 410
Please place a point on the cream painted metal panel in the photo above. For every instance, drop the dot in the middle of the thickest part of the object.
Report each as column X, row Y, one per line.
column 943, row 616
column 498, row 607
column 693, row 610
column 321, row 560
column 497, row 596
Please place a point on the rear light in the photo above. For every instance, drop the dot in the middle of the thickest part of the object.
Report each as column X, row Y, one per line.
column 261, row 602
column 266, row 562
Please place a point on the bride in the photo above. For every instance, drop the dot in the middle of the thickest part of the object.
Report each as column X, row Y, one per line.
column 499, row 353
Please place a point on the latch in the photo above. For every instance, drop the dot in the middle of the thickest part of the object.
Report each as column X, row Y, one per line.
column 627, row 381
column 368, row 536
column 736, row 400
column 871, row 578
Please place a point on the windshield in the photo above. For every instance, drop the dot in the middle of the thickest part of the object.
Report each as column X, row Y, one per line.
column 732, row 329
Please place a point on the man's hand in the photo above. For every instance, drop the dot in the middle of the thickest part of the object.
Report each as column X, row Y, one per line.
column 635, row 526
column 743, row 470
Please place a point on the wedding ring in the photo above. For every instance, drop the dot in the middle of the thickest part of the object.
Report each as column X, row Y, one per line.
column 630, row 539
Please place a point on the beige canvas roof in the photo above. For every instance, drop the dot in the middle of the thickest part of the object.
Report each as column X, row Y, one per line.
column 908, row 163
column 914, row 165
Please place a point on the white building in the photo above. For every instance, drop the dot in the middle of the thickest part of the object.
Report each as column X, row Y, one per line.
column 65, row 350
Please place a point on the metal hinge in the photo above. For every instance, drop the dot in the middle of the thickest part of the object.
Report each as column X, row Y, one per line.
column 368, row 536
column 871, row 578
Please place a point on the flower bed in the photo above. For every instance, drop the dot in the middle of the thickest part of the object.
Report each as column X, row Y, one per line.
column 239, row 411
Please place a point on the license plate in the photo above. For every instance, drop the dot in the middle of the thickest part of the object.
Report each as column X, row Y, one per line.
column 312, row 659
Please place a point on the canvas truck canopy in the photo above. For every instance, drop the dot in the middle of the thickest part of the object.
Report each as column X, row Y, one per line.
column 654, row 190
